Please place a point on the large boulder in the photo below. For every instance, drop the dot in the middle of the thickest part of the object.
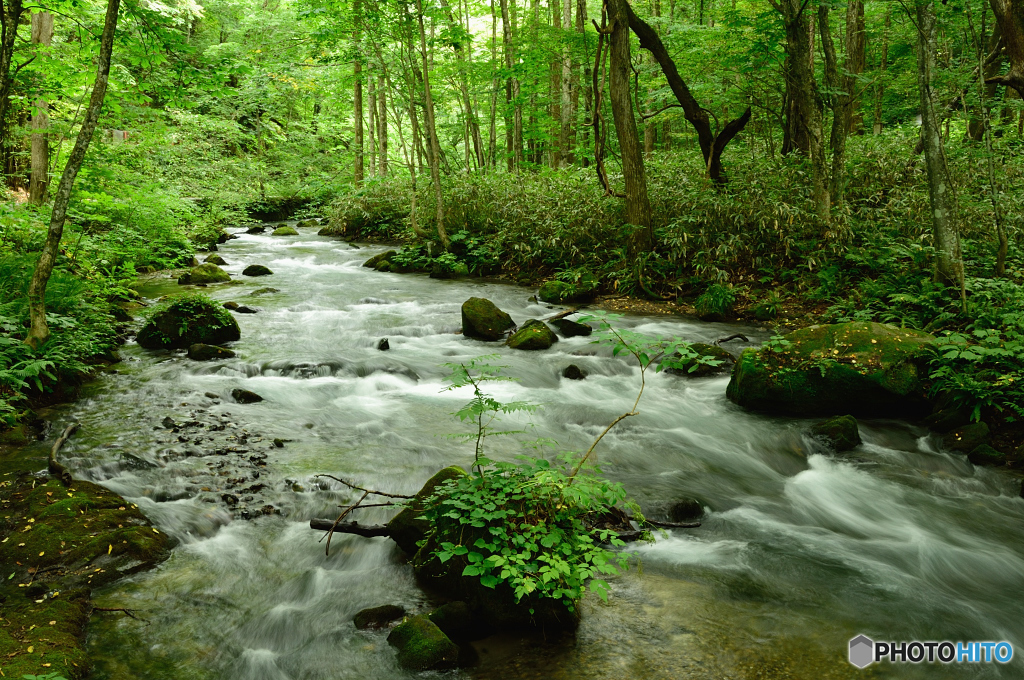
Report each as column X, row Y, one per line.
column 967, row 438
column 864, row 369
column 379, row 259
column 256, row 270
column 422, row 646
column 187, row 321
column 204, row 273
column 405, row 528
column 285, row 231
column 481, row 319
column 571, row 329
column 532, row 335
column 378, row 617
column 839, row 433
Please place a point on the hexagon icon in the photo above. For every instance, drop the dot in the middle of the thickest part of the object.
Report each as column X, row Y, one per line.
column 862, row 651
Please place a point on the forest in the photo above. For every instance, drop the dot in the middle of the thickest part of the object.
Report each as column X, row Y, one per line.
column 837, row 186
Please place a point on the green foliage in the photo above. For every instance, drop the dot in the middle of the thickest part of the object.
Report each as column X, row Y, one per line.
column 716, row 300
column 982, row 372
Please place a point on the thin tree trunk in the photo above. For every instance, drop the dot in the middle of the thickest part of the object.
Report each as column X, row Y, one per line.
column 1010, row 17
column 39, row 332
column 357, row 91
column 555, row 88
column 435, row 146
column 382, row 126
column 10, row 18
column 949, row 263
column 987, row 89
column 511, row 92
column 42, row 34
column 882, row 67
column 492, row 135
column 569, row 85
column 651, row 127
column 371, row 148
column 638, row 204
column 467, row 104
column 588, row 90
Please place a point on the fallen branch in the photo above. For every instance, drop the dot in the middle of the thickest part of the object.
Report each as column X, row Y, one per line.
column 54, row 467
column 737, row 336
column 359, row 488
column 126, row 612
column 364, row 530
column 562, row 315
column 330, row 534
column 672, row 525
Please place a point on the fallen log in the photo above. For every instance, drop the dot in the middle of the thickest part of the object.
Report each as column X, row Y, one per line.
column 364, row 530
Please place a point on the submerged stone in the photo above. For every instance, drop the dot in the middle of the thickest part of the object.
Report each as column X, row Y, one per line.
column 256, row 270
column 573, row 372
column 571, row 329
column 378, row 617
column 245, row 396
column 201, row 352
column 841, row 432
column 482, row 319
column 686, row 510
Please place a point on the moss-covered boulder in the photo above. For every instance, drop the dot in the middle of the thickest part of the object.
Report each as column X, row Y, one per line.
column 201, row 352
column 285, row 231
column 457, row 621
column 256, row 270
column 377, row 261
column 703, row 349
column 187, row 321
column 482, row 319
column 422, row 646
column 303, row 224
column 532, row 335
column 204, row 274
column 555, row 292
column 214, row 258
column 378, row 617
column 571, row 329
column 404, row 528
column 983, row 454
column 967, row 438
column 865, row 369
column 840, row 433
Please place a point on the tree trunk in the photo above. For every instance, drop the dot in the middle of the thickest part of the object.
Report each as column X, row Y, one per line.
column 555, row 88
column 856, row 61
column 42, row 34
column 357, row 91
column 39, row 331
column 382, row 126
column 650, row 127
column 711, row 145
column 638, row 204
column 10, row 17
column 804, row 122
column 371, row 148
column 435, row 145
column 467, row 104
column 882, row 67
column 588, row 90
column 979, row 116
column 949, row 264
column 1010, row 17
column 511, row 91
column 492, row 136
column 566, row 139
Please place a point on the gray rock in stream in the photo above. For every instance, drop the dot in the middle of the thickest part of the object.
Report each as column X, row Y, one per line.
column 245, row 396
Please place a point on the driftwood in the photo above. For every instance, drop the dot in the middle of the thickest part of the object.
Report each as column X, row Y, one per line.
column 562, row 315
column 737, row 336
column 54, row 467
column 364, row 530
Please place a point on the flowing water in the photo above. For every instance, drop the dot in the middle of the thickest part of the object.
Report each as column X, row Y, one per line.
column 801, row 549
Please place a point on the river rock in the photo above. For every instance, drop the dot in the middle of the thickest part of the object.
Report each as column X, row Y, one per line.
column 383, row 345
column 378, row 617
column 986, row 455
column 841, row 432
column 456, row 620
column 245, row 396
column 686, row 510
column 573, row 372
column 257, row 229
column 231, row 304
column 188, row 321
column 204, row 273
column 379, row 259
column 405, row 528
column 201, row 352
column 967, row 438
column 703, row 349
column 307, row 223
column 481, row 319
column 422, row 646
column 264, row 291
column 532, row 335
column 256, row 270
column 556, row 292
column 285, row 231
column 946, row 419
column 571, row 329
column 216, row 259
column 867, row 369
column 242, row 309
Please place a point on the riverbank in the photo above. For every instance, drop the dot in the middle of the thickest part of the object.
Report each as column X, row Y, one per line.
column 58, row 544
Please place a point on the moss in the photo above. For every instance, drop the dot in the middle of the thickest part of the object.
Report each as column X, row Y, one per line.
column 857, row 368
column 60, row 543
column 186, row 321
column 841, row 432
column 422, row 646
column 532, row 335
column 482, row 319
column 285, row 231
column 378, row 259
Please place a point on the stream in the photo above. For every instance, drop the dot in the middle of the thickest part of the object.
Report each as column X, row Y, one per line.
column 800, row 551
